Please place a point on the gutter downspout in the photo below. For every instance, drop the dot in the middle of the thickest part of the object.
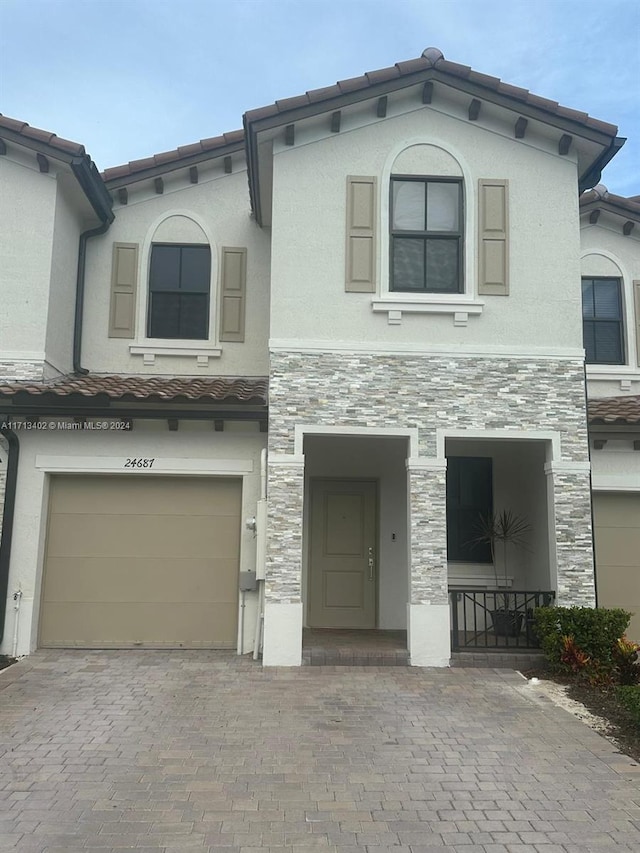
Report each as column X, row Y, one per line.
column 7, row 517
column 259, row 629
column 80, row 279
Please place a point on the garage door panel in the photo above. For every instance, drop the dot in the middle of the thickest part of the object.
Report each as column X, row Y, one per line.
column 131, row 536
column 623, row 542
column 141, row 561
column 614, row 510
column 85, row 579
column 617, row 545
column 151, row 625
column 139, row 493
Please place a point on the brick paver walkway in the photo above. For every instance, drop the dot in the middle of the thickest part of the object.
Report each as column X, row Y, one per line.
column 192, row 751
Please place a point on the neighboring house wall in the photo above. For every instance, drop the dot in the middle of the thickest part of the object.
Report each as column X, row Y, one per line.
column 215, row 211
column 3, row 476
column 27, row 212
column 607, row 252
column 615, row 457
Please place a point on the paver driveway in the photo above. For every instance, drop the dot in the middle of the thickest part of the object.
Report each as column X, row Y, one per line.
column 191, row 751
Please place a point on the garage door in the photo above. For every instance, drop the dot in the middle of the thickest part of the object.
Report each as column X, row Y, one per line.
column 141, row 561
column 617, row 541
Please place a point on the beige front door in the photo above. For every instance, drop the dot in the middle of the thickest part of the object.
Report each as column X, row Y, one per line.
column 342, row 554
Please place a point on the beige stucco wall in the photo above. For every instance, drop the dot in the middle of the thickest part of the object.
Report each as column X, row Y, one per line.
column 62, row 294
column 308, row 244
column 192, row 448
column 217, row 209
column 27, row 213
column 616, row 467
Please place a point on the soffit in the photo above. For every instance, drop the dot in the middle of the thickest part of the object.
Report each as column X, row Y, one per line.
column 46, row 146
column 624, row 212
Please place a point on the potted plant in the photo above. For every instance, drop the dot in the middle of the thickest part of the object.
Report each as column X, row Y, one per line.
column 499, row 531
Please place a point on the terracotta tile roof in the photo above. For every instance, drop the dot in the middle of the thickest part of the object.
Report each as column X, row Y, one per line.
column 175, row 157
column 432, row 58
column 600, row 196
column 21, row 128
column 149, row 389
column 615, row 410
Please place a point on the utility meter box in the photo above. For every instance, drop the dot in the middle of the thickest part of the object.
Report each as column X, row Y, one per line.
column 248, row 581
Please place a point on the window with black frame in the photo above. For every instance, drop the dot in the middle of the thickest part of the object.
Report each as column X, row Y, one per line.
column 602, row 320
column 426, row 235
column 469, row 499
column 179, row 282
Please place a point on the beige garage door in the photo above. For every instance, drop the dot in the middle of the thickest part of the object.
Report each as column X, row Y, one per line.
column 141, row 561
column 617, row 541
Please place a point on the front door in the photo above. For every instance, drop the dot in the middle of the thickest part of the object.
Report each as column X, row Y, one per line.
column 342, row 554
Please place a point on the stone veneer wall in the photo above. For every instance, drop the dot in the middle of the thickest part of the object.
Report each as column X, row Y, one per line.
column 11, row 371
column 283, row 575
column 426, row 392
column 572, row 505
column 429, row 392
column 428, row 514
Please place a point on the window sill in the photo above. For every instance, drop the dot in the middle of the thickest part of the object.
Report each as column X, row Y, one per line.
column 461, row 307
column 194, row 349
column 612, row 371
column 625, row 374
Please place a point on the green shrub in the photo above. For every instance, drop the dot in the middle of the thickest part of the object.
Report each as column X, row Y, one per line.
column 630, row 697
column 625, row 656
column 593, row 633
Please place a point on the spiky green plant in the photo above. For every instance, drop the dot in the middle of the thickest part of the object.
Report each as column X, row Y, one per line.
column 506, row 528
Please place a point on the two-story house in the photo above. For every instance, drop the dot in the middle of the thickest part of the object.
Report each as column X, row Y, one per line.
column 397, row 259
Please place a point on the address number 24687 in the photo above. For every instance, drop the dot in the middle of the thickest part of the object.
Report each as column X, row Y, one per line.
column 138, row 462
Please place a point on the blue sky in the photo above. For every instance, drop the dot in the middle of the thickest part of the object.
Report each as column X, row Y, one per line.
column 130, row 78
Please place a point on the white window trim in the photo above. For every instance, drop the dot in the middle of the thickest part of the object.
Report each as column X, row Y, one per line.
column 395, row 303
column 149, row 348
column 631, row 347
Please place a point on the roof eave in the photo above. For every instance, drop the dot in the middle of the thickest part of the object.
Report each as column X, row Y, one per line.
column 592, row 176
column 82, row 166
column 173, row 165
column 254, row 126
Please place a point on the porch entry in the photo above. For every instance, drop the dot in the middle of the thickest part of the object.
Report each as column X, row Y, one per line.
column 342, row 554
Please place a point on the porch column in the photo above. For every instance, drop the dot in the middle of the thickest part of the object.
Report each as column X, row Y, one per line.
column 283, row 572
column 570, row 534
column 429, row 638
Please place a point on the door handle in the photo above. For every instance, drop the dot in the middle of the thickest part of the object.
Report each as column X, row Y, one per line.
column 370, row 564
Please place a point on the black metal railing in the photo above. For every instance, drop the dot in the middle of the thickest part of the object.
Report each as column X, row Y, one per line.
column 495, row 619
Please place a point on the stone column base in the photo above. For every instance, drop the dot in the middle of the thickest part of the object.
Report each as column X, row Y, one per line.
column 282, row 644
column 429, row 634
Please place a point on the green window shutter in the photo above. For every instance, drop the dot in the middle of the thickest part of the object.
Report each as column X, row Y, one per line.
column 361, row 235
column 124, row 279
column 636, row 299
column 233, row 293
column 493, row 223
